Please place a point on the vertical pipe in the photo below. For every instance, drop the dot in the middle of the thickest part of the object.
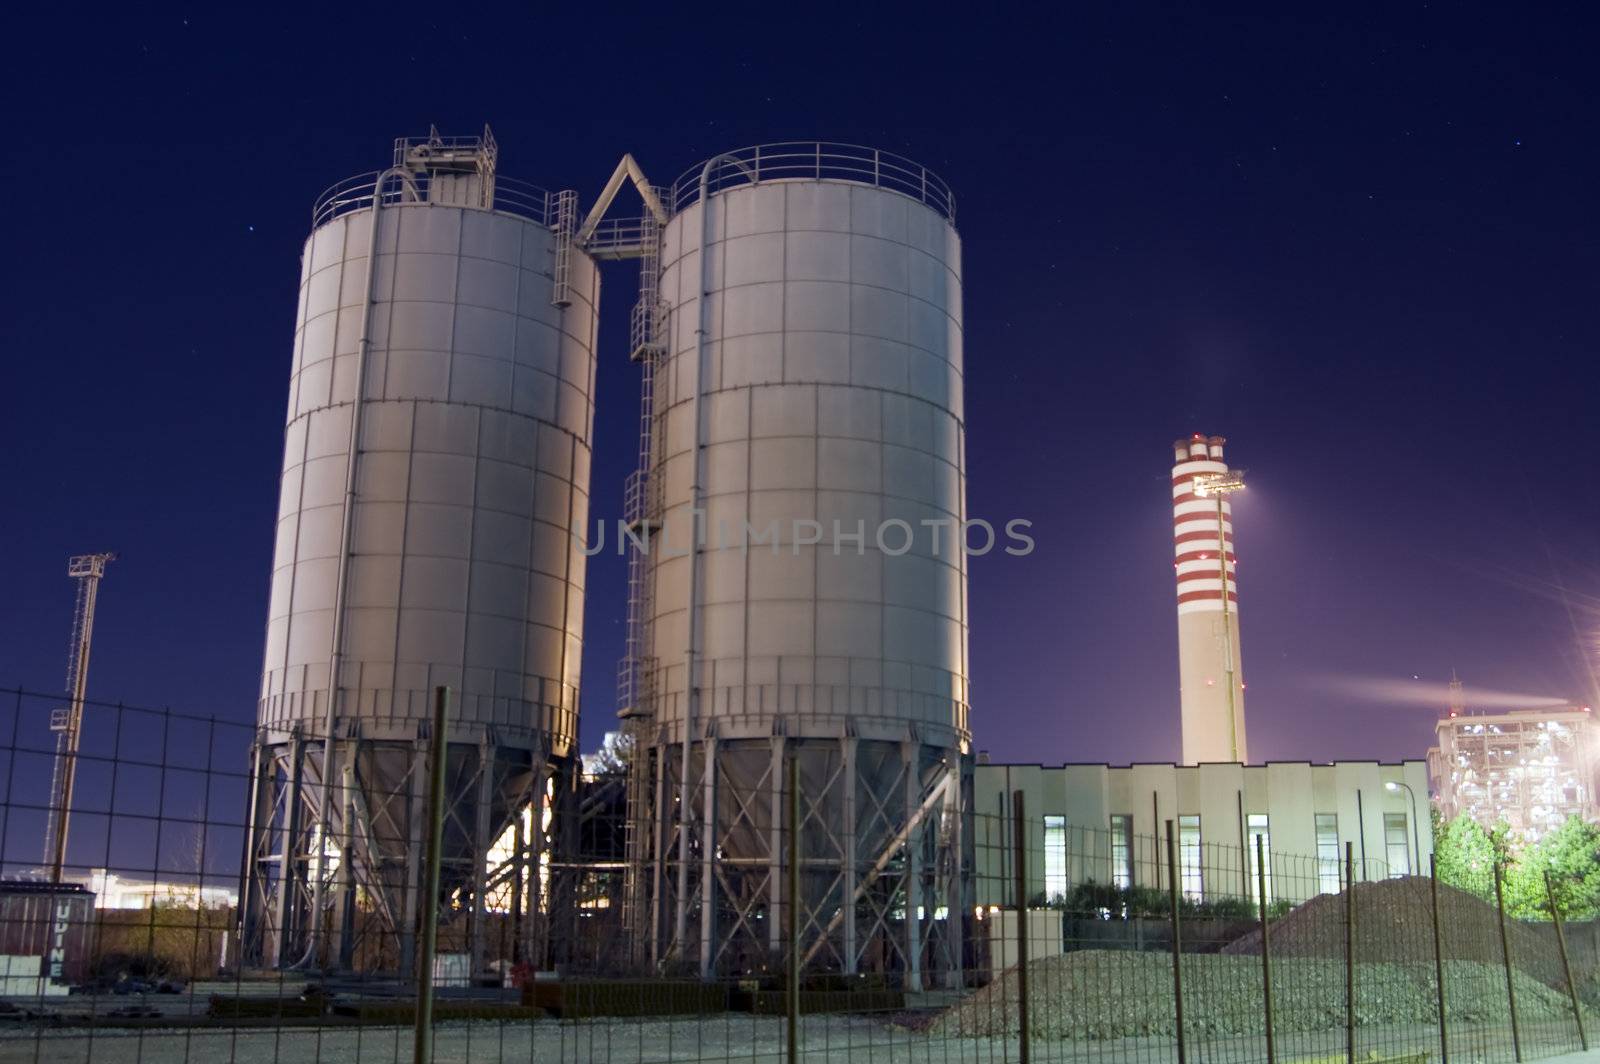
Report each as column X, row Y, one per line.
column 1416, row 830
column 1505, row 953
column 1566, row 965
column 1244, row 840
column 1350, row 952
column 792, row 915
column 1266, row 950
column 1155, row 826
column 1019, row 864
column 1177, row 938
column 1438, row 960
column 341, row 582
column 422, row 1044
column 1227, row 632
column 702, row 335
column 1361, row 833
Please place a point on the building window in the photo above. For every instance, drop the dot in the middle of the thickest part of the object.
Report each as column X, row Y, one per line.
column 1256, row 823
column 1328, row 874
column 1397, row 844
column 1189, row 873
column 1122, row 851
column 1055, row 857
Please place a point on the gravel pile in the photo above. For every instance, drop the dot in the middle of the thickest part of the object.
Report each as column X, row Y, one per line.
column 1099, row 994
column 1394, row 923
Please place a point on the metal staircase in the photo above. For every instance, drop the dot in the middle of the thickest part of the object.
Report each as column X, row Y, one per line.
column 639, row 238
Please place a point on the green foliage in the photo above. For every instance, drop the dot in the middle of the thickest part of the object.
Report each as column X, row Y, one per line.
column 1571, row 854
column 1466, row 856
column 1134, row 903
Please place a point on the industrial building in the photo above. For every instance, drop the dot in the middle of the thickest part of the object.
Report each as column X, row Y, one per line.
column 1529, row 769
column 798, row 334
column 1107, row 824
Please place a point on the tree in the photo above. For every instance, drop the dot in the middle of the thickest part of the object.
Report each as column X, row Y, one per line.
column 1466, row 856
column 1571, row 854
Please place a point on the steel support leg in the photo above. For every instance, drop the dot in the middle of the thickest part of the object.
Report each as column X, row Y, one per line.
column 253, row 882
column 776, row 847
column 482, row 826
column 850, row 869
column 708, row 853
column 658, row 853
column 910, row 755
column 289, row 870
column 416, row 816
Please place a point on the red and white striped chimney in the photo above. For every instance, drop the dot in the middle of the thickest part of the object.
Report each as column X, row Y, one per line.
column 1211, row 686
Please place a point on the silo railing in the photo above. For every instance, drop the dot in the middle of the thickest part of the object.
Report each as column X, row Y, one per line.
column 817, row 160
column 387, row 187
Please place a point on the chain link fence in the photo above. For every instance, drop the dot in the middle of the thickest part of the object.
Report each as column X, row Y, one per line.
column 182, row 926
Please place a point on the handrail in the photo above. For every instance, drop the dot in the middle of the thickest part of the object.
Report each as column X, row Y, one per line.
column 357, row 193
column 818, row 160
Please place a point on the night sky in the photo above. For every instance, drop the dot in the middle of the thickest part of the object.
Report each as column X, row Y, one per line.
column 1363, row 251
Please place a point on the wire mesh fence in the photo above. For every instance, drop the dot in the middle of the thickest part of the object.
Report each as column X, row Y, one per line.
column 227, row 894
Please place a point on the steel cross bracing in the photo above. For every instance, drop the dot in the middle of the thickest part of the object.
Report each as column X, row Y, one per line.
column 290, row 851
column 882, row 861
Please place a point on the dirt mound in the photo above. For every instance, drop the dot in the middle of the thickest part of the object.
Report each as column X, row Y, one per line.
column 1101, row 994
column 1394, row 924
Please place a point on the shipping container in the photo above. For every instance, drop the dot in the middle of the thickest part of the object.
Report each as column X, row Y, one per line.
column 54, row 922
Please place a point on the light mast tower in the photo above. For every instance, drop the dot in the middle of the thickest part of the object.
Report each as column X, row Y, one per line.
column 1209, row 672
column 67, row 722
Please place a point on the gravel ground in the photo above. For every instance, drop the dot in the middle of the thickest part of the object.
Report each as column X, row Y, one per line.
column 737, row 1038
column 1106, row 994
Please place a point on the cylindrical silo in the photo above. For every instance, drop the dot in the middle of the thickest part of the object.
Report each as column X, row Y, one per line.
column 434, row 489
column 809, row 420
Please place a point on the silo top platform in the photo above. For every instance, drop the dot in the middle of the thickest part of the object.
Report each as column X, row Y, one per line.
column 815, row 161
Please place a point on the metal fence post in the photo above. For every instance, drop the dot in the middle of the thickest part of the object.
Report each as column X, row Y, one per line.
column 1566, row 965
column 1505, row 953
column 792, row 931
column 1438, row 958
column 1266, row 952
column 438, row 751
column 1350, row 953
column 1019, row 864
column 1177, row 940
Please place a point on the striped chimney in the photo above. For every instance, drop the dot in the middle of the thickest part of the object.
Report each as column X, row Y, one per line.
column 1211, row 688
